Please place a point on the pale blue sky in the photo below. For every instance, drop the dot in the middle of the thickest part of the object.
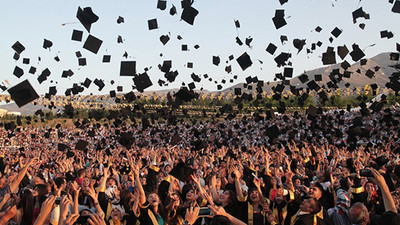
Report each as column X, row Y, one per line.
column 214, row 31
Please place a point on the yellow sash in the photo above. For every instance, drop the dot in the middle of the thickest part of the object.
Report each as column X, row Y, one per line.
column 250, row 213
column 152, row 217
column 276, row 213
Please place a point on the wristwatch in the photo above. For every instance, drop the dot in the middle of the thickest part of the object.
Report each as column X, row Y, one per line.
column 185, row 222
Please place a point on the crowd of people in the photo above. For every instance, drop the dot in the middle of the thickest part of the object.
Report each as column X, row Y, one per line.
column 335, row 167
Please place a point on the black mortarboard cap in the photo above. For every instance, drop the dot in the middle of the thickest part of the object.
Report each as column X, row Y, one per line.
column 282, row 58
column 303, row 78
column 67, row 73
column 181, row 171
column 299, row 44
column 184, row 47
column 18, row 47
column 184, row 94
column 313, row 85
column 52, row 90
column 342, row 51
column 25, row 60
column 47, row 44
column 77, row 35
column 238, row 41
column 86, row 17
column 237, row 24
column 119, row 88
column 370, row 73
column 318, row 77
column 92, row 44
column 57, row 59
column 336, row 32
column 23, row 93
column 81, row 145
column 120, row 39
column 106, row 58
column 87, row 83
column 279, row 18
column 283, row 1
column 142, row 82
column 152, row 24
column 62, row 147
column 398, row 47
column 189, row 14
column 113, row 94
column 16, row 56
column 130, row 96
column 120, row 19
column 32, row 70
column 345, row 65
column 99, row 83
column 216, row 60
column 288, row 72
column 164, row 39
column 329, row 57
column 318, row 29
column 394, row 56
column 82, row 61
column 271, row 48
column 396, row 7
column 244, row 61
column 238, row 91
column 18, row 72
column 363, row 62
column 357, row 53
column 191, row 86
column 228, row 69
column 161, row 4
column 167, row 64
column 128, row 68
column 172, row 11
column 386, row 34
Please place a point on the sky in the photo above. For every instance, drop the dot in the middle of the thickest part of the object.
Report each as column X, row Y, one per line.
column 30, row 22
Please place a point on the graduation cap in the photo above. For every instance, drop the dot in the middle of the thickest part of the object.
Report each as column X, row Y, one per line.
column 359, row 13
column 142, row 82
column 318, row 77
column 244, row 61
column 299, row 44
column 77, row 35
column 32, row 70
column 18, row 47
column 25, row 61
column 394, row 56
column 282, row 58
column 237, row 24
column 78, row 54
column 386, row 34
column 271, row 48
column 370, row 73
column 396, row 7
column 288, row 72
column 336, row 32
column 329, row 57
column 23, row 93
column 62, row 147
column 119, row 88
column 278, row 19
column 303, row 78
column 86, row 17
column 82, row 61
column 172, row 11
column 164, row 39
column 106, row 58
column 248, row 41
column 216, row 60
column 152, row 24
column 313, row 85
column 120, row 19
column 181, row 171
column 18, row 72
column 92, row 44
column 119, row 39
column 127, row 68
column 357, row 53
column 238, row 41
column 189, row 14
column 162, row 5
column 185, row 95
column 67, row 73
column 99, row 83
column 126, row 139
column 47, row 44
column 81, row 145
column 87, row 82
column 345, row 65
column 318, row 29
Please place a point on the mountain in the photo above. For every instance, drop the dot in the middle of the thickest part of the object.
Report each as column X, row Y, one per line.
column 380, row 65
column 357, row 79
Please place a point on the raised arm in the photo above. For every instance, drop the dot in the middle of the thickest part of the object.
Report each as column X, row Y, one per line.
column 387, row 197
column 17, row 180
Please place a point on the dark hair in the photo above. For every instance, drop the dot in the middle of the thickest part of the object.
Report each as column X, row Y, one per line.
column 220, row 220
column 42, row 193
column 26, row 204
column 125, row 199
column 315, row 205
